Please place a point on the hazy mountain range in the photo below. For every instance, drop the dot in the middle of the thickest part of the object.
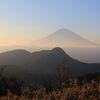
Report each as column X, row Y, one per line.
column 64, row 38
column 25, row 64
column 73, row 44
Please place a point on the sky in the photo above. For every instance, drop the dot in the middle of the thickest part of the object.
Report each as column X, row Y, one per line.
column 23, row 21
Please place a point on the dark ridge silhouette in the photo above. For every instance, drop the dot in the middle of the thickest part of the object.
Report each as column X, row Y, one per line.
column 35, row 65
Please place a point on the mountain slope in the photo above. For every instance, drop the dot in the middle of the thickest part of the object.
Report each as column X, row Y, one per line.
column 45, row 62
column 64, row 38
column 75, row 45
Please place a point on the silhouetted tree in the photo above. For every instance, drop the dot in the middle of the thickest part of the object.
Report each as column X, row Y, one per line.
column 63, row 72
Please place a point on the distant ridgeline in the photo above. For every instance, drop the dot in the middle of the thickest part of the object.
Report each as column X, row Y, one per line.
column 43, row 65
column 77, row 46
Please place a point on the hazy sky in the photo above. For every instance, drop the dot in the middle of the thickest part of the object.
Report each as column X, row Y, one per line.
column 22, row 21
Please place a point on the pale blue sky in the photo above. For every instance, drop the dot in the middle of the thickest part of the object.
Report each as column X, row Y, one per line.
column 33, row 19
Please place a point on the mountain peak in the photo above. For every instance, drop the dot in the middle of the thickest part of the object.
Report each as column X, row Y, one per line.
column 16, row 52
column 64, row 31
column 58, row 49
column 65, row 34
column 64, row 38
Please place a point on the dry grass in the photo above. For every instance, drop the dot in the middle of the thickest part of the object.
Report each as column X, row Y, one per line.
column 88, row 91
